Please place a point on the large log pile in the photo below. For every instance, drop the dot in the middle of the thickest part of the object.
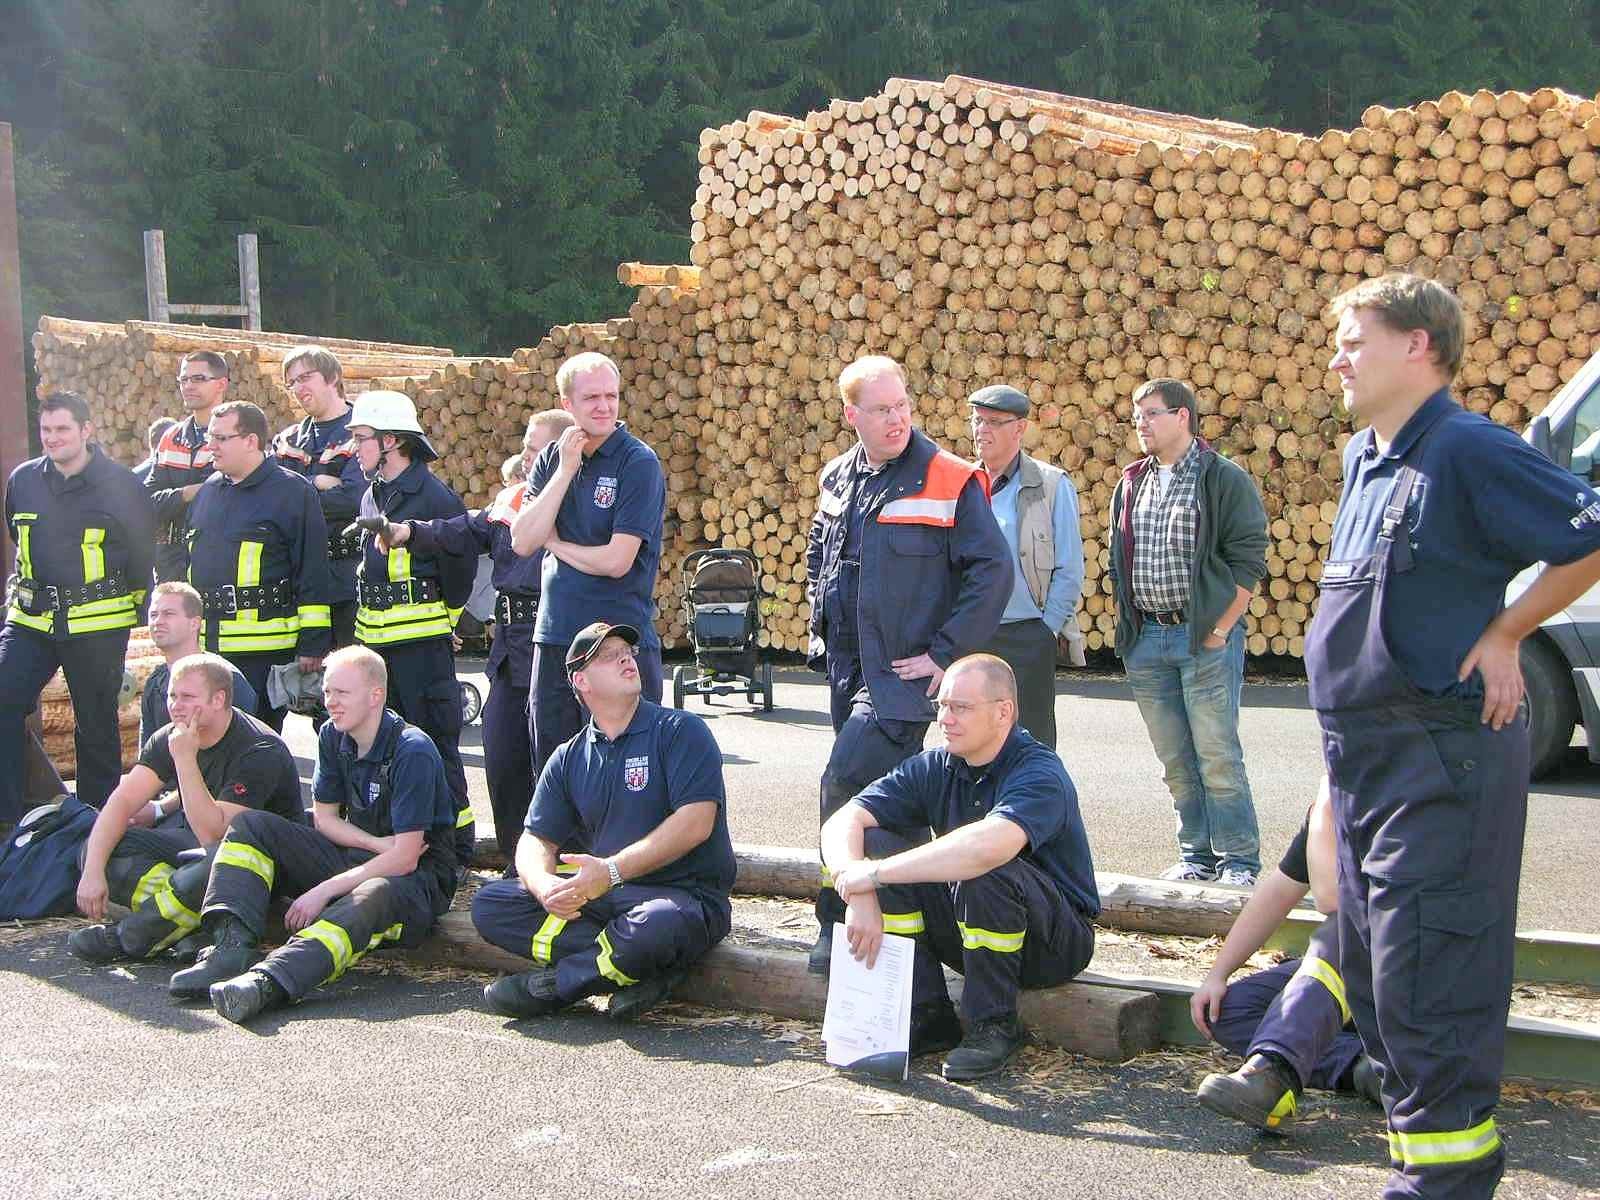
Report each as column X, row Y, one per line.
column 979, row 232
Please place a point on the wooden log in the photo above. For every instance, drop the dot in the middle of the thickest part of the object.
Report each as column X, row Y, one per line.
column 1111, row 1024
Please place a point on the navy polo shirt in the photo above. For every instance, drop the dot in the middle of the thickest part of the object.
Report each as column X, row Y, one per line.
column 417, row 799
column 598, row 796
column 1026, row 784
column 618, row 489
column 1485, row 505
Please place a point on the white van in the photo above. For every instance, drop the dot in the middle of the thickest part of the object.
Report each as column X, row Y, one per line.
column 1561, row 660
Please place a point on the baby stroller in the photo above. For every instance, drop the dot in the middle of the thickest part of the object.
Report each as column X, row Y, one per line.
column 722, row 609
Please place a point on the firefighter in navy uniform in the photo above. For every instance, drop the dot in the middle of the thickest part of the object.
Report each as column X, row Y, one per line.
column 378, row 868
column 597, row 500
column 624, row 868
column 256, row 538
column 507, row 747
column 907, row 570
column 319, row 448
column 408, row 603
column 84, row 532
column 1414, row 674
column 182, row 459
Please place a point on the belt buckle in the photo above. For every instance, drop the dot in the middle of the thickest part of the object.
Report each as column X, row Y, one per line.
column 230, row 595
column 54, row 593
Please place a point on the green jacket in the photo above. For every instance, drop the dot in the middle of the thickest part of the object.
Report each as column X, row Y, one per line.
column 1230, row 545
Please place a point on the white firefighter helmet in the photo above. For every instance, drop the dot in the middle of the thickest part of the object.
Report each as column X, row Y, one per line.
column 391, row 412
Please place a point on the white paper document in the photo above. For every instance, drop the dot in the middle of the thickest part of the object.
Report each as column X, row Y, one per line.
column 867, row 1024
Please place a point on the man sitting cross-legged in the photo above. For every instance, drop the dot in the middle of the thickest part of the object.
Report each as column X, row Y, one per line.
column 379, row 867
column 625, row 865
column 221, row 762
column 1005, row 890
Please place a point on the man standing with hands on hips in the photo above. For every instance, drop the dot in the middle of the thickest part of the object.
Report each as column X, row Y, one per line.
column 1414, row 674
column 597, row 507
column 1188, row 547
column 906, row 572
column 1037, row 509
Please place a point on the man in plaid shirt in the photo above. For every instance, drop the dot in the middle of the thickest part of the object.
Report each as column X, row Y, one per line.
column 1188, row 551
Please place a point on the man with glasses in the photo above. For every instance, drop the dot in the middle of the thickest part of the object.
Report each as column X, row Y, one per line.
column 319, row 449
column 1188, row 547
column 625, row 864
column 183, row 459
column 906, row 572
column 257, row 556
column 84, row 531
column 1004, row 892
column 1036, row 506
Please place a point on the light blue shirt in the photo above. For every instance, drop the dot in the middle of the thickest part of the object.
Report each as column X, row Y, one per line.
column 1066, row 580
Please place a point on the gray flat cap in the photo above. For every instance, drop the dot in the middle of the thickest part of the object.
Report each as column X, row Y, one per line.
column 1001, row 397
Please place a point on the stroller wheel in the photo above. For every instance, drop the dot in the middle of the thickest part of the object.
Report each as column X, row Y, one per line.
column 766, row 687
column 677, row 687
column 471, row 702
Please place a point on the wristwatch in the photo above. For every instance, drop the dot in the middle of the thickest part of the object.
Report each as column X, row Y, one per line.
column 616, row 875
column 1220, row 633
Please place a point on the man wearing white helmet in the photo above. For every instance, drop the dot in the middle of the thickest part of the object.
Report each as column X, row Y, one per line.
column 407, row 600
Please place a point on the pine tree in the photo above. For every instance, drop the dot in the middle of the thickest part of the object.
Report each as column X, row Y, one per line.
column 1544, row 43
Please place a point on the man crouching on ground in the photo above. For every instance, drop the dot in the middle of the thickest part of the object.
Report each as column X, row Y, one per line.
column 625, row 864
column 1005, row 890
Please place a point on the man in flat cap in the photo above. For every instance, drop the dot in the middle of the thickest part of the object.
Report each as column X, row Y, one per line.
column 1036, row 506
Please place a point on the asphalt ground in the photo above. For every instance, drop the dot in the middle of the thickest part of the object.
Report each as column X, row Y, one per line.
column 393, row 1082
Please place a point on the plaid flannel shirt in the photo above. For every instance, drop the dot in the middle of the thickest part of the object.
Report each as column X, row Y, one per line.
column 1166, row 528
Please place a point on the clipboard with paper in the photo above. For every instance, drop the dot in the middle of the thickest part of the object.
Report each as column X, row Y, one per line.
column 866, row 1026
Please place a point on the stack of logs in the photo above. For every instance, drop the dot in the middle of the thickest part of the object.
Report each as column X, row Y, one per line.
column 55, row 709
column 979, row 232
column 128, row 372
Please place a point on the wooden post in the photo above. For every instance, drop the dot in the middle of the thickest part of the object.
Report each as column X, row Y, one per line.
column 249, row 281
column 13, row 388
column 155, row 275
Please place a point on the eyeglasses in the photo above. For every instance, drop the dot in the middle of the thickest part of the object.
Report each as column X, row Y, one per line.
column 615, row 656
column 197, row 380
column 216, row 439
column 291, row 384
column 1147, row 415
column 960, row 708
column 992, row 422
column 880, row 412
column 365, row 437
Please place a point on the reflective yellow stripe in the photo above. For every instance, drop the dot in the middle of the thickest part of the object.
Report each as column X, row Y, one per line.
column 403, row 623
column 607, row 964
column 464, row 817
column 44, row 624
column 1285, row 1107
column 149, row 883
column 399, row 565
column 337, row 943
column 316, row 616
column 1394, row 1150
column 184, row 919
column 249, row 571
column 827, row 876
column 1323, row 972
column 545, row 940
column 94, row 555
column 905, row 924
column 1450, row 1146
column 24, row 537
column 973, row 938
column 246, row 858
column 391, row 934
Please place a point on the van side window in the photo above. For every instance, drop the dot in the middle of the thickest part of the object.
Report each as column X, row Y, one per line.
column 1584, row 437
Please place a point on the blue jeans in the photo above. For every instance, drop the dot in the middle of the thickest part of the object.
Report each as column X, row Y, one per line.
column 1190, row 705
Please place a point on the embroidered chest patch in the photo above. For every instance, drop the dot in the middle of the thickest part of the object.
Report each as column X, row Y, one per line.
column 636, row 773
column 605, row 491
column 373, row 791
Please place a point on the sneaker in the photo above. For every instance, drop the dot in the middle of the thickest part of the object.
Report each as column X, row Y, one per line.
column 97, row 944
column 1263, row 1093
column 1237, row 877
column 530, row 994
column 1189, row 872
column 1364, row 1081
column 820, row 960
column 935, row 1028
column 985, row 1050
column 247, row 996
column 634, row 1001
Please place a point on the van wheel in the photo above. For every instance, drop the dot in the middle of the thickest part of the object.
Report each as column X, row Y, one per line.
column 1552, row 705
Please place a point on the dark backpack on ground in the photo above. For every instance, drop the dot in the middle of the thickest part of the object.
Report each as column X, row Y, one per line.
column 39, row 861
